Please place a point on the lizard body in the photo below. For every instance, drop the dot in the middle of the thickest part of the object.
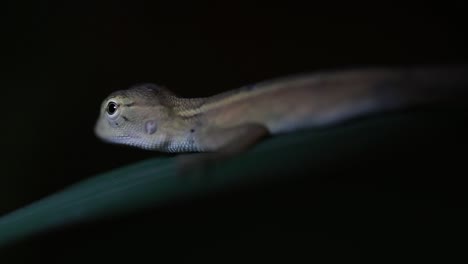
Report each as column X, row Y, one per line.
column 151, row 117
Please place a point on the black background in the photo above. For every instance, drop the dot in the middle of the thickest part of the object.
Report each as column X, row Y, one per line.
column 59, row 60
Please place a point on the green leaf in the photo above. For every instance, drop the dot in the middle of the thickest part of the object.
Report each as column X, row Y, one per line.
column 154, row 182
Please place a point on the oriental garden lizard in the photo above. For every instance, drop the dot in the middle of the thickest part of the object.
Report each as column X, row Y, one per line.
column 149, row 116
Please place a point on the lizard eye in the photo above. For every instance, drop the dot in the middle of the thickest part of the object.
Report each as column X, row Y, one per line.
column 111, row 108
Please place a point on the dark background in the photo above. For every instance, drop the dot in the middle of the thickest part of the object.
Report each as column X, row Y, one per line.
column 59, row 60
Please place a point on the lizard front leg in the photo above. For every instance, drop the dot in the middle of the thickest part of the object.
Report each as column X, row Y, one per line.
column 221, row 144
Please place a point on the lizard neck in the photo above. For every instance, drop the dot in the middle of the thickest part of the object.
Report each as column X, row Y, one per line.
column 191, row 107
column 182, row 106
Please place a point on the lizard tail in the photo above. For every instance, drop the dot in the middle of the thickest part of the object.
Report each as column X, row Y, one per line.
column 424, row 85
column 363, row 92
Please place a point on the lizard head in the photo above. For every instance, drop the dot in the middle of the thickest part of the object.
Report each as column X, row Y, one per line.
column 132, row 116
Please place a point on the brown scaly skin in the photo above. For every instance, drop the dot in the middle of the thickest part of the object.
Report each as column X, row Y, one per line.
column 151, row 117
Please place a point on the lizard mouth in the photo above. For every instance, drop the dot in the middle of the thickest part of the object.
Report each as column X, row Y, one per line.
column 121, row 138
column 126, row 136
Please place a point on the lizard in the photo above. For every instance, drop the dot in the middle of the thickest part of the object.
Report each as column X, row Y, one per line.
column 150, row 116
